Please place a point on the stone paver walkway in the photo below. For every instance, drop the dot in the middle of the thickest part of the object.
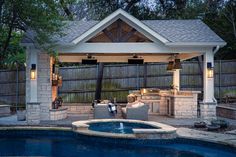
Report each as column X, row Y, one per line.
column 182, row 121
column 220, row 138
column 12, row 120
column 228, row 139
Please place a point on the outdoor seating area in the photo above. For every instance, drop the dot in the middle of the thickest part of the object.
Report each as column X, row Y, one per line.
column 136, row 110
column 101, row 112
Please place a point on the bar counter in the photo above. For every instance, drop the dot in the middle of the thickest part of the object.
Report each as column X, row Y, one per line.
column 177, row 104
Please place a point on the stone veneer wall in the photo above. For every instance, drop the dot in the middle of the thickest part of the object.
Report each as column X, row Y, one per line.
column 33, row 113
column 163, row 105
column 185, row 107
column 208, row 110
column 58, row 114
column 78, row 108
column 44, row 85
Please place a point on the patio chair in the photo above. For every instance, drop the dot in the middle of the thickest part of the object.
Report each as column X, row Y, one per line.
column 101, row 112
column 138, row 112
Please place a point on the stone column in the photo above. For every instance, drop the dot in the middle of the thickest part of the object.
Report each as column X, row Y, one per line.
column 32, row 104
column 33, row 113
column 44, row 85
column 208, row 105
column 176, row 79
column 39, row 90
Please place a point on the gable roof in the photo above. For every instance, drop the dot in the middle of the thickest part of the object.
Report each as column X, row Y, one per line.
column 170, row 32
column 129, row 19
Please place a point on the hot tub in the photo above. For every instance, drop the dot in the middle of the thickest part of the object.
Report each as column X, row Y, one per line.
column 123, row 128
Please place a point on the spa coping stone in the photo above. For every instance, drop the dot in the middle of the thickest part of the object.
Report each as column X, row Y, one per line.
column 161, row 131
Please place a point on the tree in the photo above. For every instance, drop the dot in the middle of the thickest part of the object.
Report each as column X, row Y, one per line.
column 221, row 18
column 229, row 12
column 41, row 17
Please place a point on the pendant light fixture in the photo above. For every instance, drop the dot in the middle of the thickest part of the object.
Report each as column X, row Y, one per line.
column 177, row 64
column 170, row 66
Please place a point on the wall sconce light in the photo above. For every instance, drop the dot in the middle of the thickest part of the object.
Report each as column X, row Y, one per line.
column 210, row 70
column 33, row 72
column 177, row 64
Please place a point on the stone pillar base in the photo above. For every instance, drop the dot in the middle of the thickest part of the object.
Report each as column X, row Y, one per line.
column 33, row 113
column 208, row 110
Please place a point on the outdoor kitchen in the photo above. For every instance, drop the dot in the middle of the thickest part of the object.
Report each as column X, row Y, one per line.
column 177, row 104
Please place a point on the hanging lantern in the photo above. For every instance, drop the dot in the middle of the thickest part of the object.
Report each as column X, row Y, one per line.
column 33, row 72
column 170, row 66
column 210, row 70
column 177, row 64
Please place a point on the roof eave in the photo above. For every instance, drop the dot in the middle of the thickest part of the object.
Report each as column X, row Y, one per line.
column 181, row 44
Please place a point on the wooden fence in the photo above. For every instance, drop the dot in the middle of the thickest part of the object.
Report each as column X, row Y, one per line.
column 79, row 82
column 8, row 86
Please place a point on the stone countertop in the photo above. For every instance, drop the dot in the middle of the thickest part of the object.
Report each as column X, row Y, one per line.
column 170, row 93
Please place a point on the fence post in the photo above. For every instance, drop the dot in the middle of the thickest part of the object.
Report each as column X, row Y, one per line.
column 99, row 82
column 220, row 81
column 17, row 86
column 137, row 76
column 145, row 75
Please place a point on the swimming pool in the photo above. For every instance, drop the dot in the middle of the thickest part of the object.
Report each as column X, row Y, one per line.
column 68, row 143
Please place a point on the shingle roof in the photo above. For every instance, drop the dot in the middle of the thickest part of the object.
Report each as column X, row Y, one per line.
column 172, row 30
column 74, row 29
column 183, row 30
column 71, row 30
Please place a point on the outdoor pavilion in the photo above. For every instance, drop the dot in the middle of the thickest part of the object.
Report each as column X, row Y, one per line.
column 117, row 38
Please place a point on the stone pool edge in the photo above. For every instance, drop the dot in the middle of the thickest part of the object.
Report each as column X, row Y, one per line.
column 35, row 128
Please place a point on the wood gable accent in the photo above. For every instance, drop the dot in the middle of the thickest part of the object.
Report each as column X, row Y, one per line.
column 119, row 31
column 112, row 18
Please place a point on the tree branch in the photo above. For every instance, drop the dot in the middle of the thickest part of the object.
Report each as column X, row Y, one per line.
column 11, row 25
column 66, row 10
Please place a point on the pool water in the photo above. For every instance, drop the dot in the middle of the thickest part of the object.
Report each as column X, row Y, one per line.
column 54, row 144
column 118, row 127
